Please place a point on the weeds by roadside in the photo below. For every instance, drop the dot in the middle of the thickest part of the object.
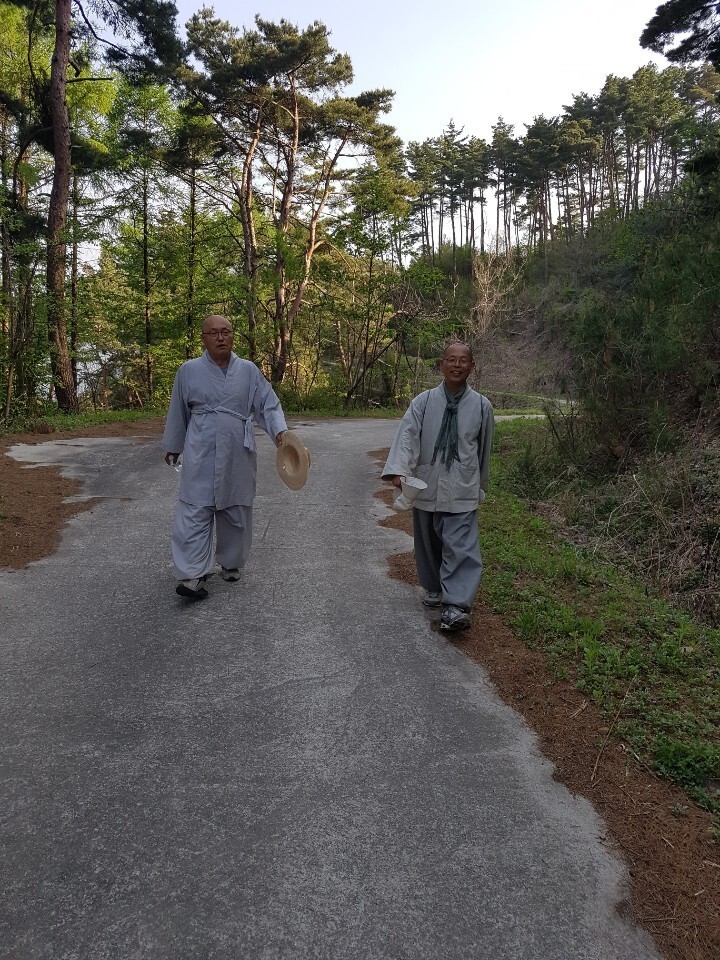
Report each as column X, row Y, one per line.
column 659, row 515
column 57, row 422
column 651, row 667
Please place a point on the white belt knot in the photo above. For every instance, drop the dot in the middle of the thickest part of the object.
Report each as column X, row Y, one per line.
column 249, row 438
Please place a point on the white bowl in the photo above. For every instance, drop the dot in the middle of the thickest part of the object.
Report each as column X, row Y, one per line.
column 411, row 487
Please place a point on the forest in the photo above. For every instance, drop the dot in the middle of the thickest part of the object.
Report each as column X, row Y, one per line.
column 148, row 181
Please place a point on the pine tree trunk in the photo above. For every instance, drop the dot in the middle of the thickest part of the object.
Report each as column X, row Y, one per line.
column 245, row 197
column 432, row 231
column 497, row 212
column 74, row 283
column 57, row 215
column 190, row 318
column 482, row 223
column 147, row 288
column 4, row 232
column 441, row 222
column 454, row 243
column 471, row 225
column 17, row 286
column 6, row 321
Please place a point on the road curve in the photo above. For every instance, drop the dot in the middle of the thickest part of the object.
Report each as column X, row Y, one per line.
column 297, row 767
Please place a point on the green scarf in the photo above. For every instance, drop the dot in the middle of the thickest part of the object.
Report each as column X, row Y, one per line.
column 447, row 439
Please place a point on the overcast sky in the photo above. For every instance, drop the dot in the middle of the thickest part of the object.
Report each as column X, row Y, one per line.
column 470, row 61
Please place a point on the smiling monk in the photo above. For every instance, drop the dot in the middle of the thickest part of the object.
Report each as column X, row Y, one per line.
column 445, row 439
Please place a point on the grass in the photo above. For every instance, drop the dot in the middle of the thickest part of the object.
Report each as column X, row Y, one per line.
column 502, row 401
column 628, row 649
column 388, row 413
column 73, row 421
column 376, row 413
column 77, row 421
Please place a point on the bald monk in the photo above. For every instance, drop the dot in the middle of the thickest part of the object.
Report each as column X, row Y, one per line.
column 445, row 439
column 215, row 400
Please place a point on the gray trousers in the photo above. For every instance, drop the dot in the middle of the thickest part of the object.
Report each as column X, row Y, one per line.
column 192, row 539
column 447, row 555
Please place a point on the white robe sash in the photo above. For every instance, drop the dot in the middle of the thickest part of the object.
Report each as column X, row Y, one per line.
column 249, row 437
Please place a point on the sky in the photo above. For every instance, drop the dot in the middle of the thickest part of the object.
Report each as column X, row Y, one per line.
column 469, row 61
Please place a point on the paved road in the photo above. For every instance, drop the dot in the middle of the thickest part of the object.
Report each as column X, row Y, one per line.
column 298, row 767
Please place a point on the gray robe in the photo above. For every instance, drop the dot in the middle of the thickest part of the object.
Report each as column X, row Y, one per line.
column 463, row 486
column 210, row 421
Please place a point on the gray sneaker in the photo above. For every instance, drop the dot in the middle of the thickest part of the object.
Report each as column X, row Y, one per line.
column 192, row 589
column 454, row 618
column 432, row 599
column 231, row 575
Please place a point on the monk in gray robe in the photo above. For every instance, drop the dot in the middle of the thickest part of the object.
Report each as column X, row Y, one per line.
column 445, row 439
column 215, row 401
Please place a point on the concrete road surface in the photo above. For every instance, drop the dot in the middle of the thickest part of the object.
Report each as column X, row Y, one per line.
column 297, row 767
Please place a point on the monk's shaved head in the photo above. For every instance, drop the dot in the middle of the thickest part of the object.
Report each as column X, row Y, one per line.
column 461, row 344
column 217, row 334
column 214, row 322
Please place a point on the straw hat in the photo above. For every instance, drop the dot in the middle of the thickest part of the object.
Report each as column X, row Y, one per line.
column 293, row 461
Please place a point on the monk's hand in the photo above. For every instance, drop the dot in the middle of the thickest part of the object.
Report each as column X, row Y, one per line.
column 395, row 481
column 278, row 439
column 171, row 458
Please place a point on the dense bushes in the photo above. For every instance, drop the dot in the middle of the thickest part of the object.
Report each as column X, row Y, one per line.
column 645, row 318
column 657, row 514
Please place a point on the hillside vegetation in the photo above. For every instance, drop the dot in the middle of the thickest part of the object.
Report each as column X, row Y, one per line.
column 633, row 466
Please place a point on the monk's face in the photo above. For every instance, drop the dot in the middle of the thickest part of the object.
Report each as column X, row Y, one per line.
column 217, row 335
column 456, row 366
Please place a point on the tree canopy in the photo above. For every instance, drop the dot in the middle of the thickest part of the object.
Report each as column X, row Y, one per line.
column 159, row 184
column 696, row 22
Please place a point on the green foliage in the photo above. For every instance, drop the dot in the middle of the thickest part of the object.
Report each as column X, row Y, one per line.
column 224, row 202
column 426, row 279
column 694, row 766
column 639, row 301
column 640, row 659
column 444, row 283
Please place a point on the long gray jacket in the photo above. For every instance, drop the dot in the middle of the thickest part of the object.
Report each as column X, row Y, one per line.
column 210, row 421
column 463, row 486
